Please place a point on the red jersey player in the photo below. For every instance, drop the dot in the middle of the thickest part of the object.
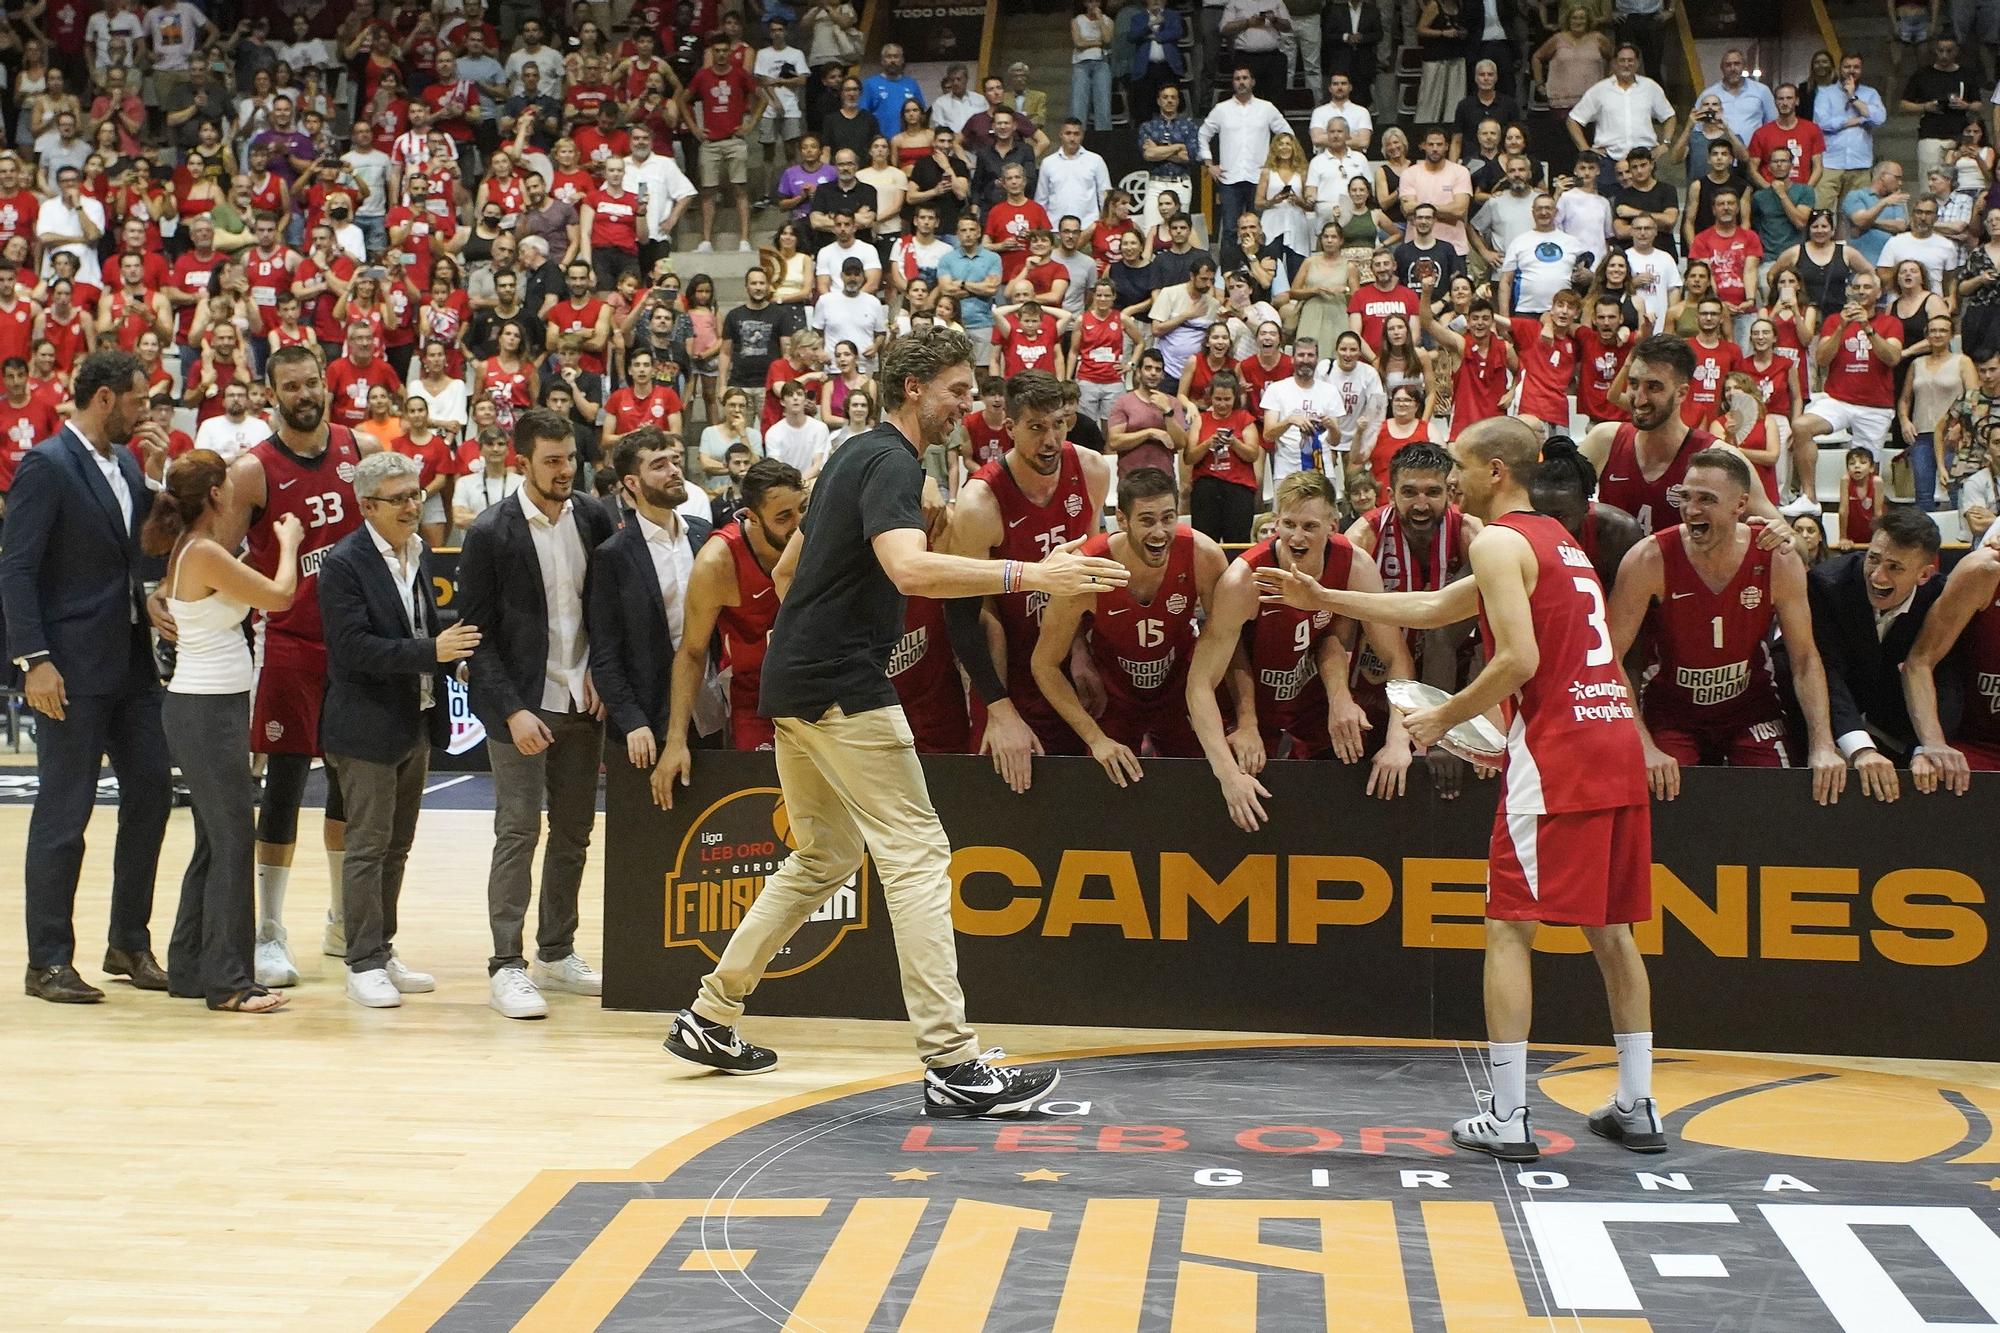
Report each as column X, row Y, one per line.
column 1298, row 705
column 1572, row 837
column 1548, row 352
column 1966, row 618
column 925, row 674
column 306, row 469
column 1486, row 361
column 1709, row 596
column 1141, row 636
column 1041, row 494
column 1640, row 463
column 730, row 589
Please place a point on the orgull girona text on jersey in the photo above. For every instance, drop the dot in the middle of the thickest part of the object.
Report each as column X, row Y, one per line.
column 1285, row 685
column 309, row 562
column 1714, row 685
column 1152, row 675
column 909, row 650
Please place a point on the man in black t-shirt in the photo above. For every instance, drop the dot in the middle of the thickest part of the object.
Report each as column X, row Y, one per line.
column 1946, row 94
column 846, row 756
column 1422, row 254
column 1647, row 194
column 752, row 335
column 943, row 180
column 845, row 193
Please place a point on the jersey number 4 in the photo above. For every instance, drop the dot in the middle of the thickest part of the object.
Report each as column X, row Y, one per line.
column 326, row 508
column 1600, row 651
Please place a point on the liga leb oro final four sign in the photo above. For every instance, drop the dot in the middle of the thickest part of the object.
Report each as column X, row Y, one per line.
column 1301, row 1184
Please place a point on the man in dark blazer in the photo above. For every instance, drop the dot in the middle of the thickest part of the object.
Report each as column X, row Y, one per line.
column 1867, row 608
column 523, row 578
column 73, row 581
column 638, row 593
column 1349, row 33
column 386, row 705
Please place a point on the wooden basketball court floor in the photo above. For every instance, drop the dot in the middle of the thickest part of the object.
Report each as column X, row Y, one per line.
column 171, row 1168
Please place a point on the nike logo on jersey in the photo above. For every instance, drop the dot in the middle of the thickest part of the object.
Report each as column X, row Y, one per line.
column 1117, row 610
column 1015, row 523
column 761, row 592
column 1609, row 477
column 1679, row 595
column 287, row 485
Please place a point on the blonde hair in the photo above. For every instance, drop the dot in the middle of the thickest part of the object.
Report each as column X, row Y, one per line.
column 1302, row 487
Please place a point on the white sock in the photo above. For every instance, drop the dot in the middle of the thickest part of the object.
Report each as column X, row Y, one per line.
column 1635, row 1067
column 1508, row 1063
column 271, row 881
column 336, row 861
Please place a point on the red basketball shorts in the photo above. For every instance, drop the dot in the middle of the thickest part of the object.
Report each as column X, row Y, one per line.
column 1582, row 868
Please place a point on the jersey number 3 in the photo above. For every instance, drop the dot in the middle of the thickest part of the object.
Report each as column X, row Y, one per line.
column 1600, row 651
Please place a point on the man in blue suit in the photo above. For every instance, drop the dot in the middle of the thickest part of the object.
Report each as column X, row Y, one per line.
column 1153, row 31
column 72, row 577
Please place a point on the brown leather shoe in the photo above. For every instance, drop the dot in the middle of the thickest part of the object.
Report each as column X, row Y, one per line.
column 61, row 985
column 138, row 965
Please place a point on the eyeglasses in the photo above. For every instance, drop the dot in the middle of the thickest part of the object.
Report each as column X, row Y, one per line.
column 401, row 500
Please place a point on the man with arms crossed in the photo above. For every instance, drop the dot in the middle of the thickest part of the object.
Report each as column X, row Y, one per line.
column 1711, row 593
column 1572, row 838
column 844, row 752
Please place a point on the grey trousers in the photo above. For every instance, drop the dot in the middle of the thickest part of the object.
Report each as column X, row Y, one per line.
column 564, row 777
column 382, row 803
column 215, row 929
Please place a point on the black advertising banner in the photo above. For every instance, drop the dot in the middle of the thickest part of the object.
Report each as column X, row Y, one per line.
column 1779, row 926
column 937, row 31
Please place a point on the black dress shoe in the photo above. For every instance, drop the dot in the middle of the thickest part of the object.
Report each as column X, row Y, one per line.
column 61, row 985
column 138, row 965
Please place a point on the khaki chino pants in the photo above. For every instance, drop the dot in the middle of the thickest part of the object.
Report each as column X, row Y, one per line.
column 852, row 786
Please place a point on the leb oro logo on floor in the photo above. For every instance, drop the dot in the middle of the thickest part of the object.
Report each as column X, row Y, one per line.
column 724, row 862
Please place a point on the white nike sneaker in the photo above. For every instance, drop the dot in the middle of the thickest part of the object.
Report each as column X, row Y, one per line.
column 333, row 939
column 1637, row 1126
column 274, row 965
column 514, row 995
column 705, row 248
column 373, row 988
column 1800, row 507
column 1510, row 1140
column 571, row 976
column 407, row 981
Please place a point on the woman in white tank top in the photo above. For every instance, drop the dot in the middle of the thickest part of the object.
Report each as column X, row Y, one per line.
column 206, row 715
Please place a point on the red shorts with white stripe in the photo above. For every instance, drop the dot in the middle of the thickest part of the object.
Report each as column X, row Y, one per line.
column 290, row 687
column 1583, row 868
column 1759, row 746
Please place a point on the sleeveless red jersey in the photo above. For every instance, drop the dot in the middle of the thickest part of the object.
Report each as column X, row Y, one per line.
column 746, row 633
column 1548, row 369
column 1712, row 664
column 1758, row 440
column 1281, row 644
column 270, row 278
column 1029, row 532
column 566, row 316
column 1480, row 384
column 316, row 312
column 1623, row 486
column 1142, row 648
column 1222, row 462
column 1712, row 365
column 1598, row 364
column 1020, row 350
column 281, row 338
column 507, row 388
column 1860, row 510
column 988, row 441
column 925, row 675
column 67, row 335
column 1856, row 376
column 1980, row 644
column 1405, row 569
column 17, row 329
column 320, row 492
column 268, row 194
column 191, row 274
column 1571, row 740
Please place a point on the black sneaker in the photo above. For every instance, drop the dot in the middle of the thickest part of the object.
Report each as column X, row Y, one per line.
column 982, row 1088
column 712, row 1046
column 1637, row 1127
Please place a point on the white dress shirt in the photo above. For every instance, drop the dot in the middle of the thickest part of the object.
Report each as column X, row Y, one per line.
column 60, row 219
column 1360, row 124
column 951, row 113
column 1622, row 118
column 1236, row 136
column 673, row 566
column 1072, row 186
column 666, row 185
column 403, row 567
column 559, row 553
